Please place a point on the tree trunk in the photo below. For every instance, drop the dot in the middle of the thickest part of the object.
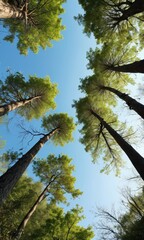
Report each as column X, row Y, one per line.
column 12, row 175
column 136, row 159
column 136, row 7
column 4, row 109
column 21, row 227
column 9, row 11
column 135, row 67
column 131, row 102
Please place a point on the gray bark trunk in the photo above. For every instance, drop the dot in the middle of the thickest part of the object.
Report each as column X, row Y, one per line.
column 136, row 159
column 9, row 11
column 12, row 175
column 4, row 109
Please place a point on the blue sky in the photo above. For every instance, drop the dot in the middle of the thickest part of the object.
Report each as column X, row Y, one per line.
column 65, row 63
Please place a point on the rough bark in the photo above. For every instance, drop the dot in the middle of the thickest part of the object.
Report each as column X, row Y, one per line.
column 136, row 7
column 131, row 102
column 136, row 159
column 4, row 109
column 135, row 67
column 9, row 11
column 12, row 175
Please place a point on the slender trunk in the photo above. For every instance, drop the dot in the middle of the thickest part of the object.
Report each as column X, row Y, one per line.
column 135, row 67
column 136, row 7
column 131, row 102
column 9, row 11
column 136, row 159
column 4, row 109
column 21, row 227
column 12, row 175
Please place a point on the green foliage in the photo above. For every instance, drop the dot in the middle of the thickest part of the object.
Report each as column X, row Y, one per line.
column 57, row 173
column 95, row 84
column 64, row 123
column 96, row 138
column 16, row 89
column 7, row 159
column 2, row 143
column 104, row 20
column 48, row 219
column 63, row 226
column 43, row 25
column 110, row 55
column 16, row 206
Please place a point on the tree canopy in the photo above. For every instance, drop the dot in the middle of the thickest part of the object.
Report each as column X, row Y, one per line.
column 16, row 206
column 33, row 23
column 95, row 137
column 107, row 18
column 56, row 173
column 30, row 99
column 64, row 123
column 63, row 226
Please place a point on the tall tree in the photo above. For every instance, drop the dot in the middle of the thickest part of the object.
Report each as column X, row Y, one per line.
column 95, row 130
column 108, row 17
column 30, row 99
column 34, row 23
column 56, row 173
column 64, row 226
column 59, row 129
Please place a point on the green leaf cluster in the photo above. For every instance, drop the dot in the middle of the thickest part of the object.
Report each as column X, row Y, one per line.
column 65, row 126
column 41, row 90
column 44, row 25
column 102, row 19
column 62, row 226
column 57, row 172
column 96, row 138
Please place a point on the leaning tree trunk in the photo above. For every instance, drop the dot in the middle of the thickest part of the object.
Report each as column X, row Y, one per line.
column 9, row 11
column 136, row 7
column 21, row 227
column 136, row 159
column 131, row 102
column 4, row 109
column 12, row 175
column 135, row 67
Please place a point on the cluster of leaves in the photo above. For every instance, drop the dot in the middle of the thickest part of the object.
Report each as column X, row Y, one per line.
column 96, row 138
column 40, row 91
column 62, row 226
column 107, row 18
column 18, row 203
column 43, row 25
column 58, row 172
column 65, row 125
